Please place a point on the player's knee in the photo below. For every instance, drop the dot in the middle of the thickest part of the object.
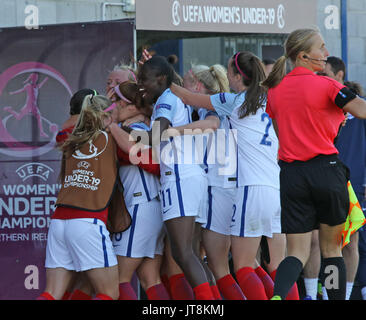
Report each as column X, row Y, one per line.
column 350, row 251
column 183, row 255
column 149, row 279
column 331, row 250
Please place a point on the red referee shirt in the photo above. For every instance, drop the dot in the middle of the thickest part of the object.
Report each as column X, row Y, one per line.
column 308, row 119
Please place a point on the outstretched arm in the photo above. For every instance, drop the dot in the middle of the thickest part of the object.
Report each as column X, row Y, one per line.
column 193, row 99
column 18, row 91
column 126, row 137
column 356, row 107
column 132, row 152
column 196, row 127
column 123, row 138
column 42, row 83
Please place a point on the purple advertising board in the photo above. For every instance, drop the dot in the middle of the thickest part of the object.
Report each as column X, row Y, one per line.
column 39, row 72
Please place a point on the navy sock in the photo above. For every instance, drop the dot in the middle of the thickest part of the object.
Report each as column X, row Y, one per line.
column 335, row 278
column 287, row 274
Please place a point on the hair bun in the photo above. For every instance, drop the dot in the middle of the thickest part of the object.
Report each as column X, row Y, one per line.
column 172, row 59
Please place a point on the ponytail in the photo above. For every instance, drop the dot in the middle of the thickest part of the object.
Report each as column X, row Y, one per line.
column 298, row 40
column 277, row 74
column 213, row 78
column 89, row 125
column 251, row 66
column 219, row 74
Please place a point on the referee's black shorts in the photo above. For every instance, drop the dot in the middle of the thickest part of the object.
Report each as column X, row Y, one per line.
column 313, row 192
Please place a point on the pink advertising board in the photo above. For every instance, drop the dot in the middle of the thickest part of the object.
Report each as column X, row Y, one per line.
column 39, row 72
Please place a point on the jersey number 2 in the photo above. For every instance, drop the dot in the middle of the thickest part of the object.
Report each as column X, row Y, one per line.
column 265, row 136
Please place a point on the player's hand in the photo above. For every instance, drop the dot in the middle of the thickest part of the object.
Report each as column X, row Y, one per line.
column 111, row 95
column 145, row 56
column 137, row 118
column 107, row 121
column 345, row 120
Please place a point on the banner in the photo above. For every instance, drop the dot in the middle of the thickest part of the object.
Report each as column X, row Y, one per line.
column 39, row 72
column 230, row 16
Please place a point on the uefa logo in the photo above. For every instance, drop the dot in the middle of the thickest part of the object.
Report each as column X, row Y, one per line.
column 93, row 151
column 281, row 16
column 176, row 13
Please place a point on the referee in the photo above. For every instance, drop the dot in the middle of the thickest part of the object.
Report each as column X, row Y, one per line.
column 307, row 111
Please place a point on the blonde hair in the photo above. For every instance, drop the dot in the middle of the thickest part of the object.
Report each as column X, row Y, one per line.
column 126, row 67
column 89, row 125
column 298, row 40
column 213, row 78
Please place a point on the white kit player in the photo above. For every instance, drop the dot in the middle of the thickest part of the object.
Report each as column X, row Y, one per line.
column 220, row 160
column 257, row 211
column 78, row 239
column 145, row 237
column 140, row 247
column 257, row 154
column 222, row 174
column 141, row 189
column 176, row 166
column 182, row 180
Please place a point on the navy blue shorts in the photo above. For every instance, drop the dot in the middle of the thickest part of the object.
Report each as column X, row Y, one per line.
column 313, row 192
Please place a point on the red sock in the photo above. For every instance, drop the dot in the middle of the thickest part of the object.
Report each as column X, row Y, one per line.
column 102, row 296
column 165, row 281
column 266, row 280
column 157, row 292
column 126, row 292
column 229, row 288
column 250, row 284
column 216, row 292
column 293, row 294
column 79, row 295
column 203, row 292
column 180, row 288
column 45, row 296
column 66, row 295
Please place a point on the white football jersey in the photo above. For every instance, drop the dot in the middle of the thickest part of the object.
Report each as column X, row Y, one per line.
column 177, row 156
column 139, row 186
column 257, row 141
column 221, row 153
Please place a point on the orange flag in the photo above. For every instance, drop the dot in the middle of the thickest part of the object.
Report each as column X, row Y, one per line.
column 355, row 219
